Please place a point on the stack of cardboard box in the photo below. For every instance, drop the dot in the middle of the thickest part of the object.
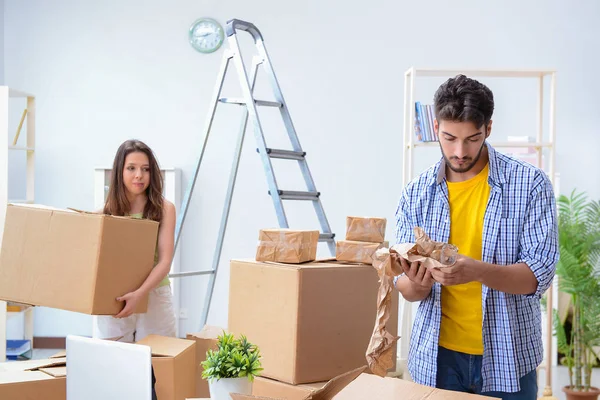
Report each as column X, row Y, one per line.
column 312, row 321
column 364, row 235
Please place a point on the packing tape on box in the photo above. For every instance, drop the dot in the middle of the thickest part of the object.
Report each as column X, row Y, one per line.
column 283, row 245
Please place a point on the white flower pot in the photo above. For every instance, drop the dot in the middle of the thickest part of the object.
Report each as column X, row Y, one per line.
column 220, row 389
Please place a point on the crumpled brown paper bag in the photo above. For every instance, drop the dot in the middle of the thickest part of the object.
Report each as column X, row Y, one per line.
column 380, row 354
column 431, row 254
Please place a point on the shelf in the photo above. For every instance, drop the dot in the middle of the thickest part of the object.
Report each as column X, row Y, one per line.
column 492, row 73
column 21, row 201
column 18, row 93
column 545, row 140
column 21, row 148
column 12, row 99
column 497, row 144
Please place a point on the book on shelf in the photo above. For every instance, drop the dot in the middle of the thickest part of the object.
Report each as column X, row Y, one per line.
column 424, row 130
column 18, row 349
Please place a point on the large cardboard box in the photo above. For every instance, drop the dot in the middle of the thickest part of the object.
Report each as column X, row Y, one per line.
column 368, row 386
column 174, row 362
column 33, row 380
column 73, row 260
column 270, row 389
column 265, row 387
column 350, row 387
column 205, row 339
column 310, row 321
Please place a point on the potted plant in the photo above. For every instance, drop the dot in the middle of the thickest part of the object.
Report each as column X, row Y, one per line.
column 231, row 368
column 578, row 270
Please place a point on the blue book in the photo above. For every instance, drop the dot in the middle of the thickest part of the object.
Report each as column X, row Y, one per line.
column 16, row 349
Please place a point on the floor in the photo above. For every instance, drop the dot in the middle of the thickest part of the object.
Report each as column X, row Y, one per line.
column 560, row 375
column 560, row 378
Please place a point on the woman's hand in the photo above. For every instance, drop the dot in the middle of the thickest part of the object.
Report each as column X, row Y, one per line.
column 131, row 300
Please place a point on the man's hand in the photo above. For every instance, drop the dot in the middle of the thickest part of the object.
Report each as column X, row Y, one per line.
column 464, row 270
column 131, row 300
column 416, row 273
column 416, row 283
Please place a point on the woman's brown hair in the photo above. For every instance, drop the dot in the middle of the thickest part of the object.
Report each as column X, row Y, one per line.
column 116, row 201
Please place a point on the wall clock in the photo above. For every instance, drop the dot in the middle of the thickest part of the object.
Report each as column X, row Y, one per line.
column 206, row 35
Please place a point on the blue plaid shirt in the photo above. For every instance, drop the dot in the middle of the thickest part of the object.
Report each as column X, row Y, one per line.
column 519, row 227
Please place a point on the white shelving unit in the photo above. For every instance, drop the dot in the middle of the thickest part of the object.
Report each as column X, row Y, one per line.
column 542, row 142
column 8, row 96
column 172, row 192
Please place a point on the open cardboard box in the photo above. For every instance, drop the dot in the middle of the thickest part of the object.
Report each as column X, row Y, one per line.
column 357, row 385
column 34, row 379
column 205, row 339
column 174, row 362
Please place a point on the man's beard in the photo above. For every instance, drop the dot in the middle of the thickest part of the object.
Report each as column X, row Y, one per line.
column 467, row 167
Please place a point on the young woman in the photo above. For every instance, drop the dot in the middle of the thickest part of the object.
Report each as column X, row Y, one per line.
column 136, row 191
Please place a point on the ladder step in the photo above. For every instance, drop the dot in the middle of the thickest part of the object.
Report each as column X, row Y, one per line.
column 326, row 237
column 191, row 273
column 294, row 195
column 285, row 154
column 240, row 101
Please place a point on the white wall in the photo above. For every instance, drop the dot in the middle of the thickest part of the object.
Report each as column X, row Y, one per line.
column 107, row 71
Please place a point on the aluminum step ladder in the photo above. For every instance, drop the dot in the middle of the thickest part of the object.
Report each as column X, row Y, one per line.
column 250, row 104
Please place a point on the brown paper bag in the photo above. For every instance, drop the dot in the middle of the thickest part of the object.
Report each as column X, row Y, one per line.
column 287, row 246
column 365, row 229
column 360, row 252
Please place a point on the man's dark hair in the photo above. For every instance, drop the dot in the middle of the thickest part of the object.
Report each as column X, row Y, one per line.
column 461, row 99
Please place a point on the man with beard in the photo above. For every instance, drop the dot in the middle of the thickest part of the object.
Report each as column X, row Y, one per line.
column 478, row 326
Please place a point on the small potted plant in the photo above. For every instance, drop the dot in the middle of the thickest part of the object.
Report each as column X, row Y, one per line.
column 231, row 368
column 578, row 271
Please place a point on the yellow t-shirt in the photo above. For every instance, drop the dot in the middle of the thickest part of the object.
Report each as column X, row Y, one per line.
column 461, row 323
column 165, row 280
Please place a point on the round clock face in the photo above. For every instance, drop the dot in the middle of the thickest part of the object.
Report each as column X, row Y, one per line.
column 206, row 35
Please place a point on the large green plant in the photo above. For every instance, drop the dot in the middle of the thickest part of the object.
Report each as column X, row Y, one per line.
column 234, row 358
column 579, row 276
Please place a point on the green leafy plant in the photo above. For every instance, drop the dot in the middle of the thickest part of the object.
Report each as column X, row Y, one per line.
column 578, row 271
column 233, row 358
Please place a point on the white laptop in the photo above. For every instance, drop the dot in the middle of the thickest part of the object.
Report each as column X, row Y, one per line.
column 104, row 369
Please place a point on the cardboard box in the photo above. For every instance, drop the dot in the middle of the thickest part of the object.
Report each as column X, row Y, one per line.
column 270, row 389
column 205, row 339
column 72, row 260
column 365, row 229
column 287, row 246
column 174, row 362
column 368, row 386
column 311, row 322
column 360, row 252
column 265, row 387
column 33, row 380
column 350, row 387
